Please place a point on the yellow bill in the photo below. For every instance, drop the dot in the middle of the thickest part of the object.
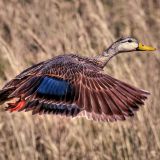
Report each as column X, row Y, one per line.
column 142, row 47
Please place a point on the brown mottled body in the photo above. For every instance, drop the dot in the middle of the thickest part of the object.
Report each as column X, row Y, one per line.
column 72, row 85
column 96, row 95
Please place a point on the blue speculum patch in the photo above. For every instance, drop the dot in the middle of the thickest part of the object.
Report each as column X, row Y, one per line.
column 54, row 87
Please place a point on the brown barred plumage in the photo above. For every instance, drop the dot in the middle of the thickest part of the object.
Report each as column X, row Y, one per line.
column 73, row 86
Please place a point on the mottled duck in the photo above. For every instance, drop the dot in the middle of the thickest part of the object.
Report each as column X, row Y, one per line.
column 72, row 85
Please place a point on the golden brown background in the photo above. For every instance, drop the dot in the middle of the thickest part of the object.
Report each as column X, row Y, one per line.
column 35, row 30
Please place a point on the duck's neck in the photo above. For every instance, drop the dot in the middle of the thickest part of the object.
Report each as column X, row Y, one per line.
column 106, row 55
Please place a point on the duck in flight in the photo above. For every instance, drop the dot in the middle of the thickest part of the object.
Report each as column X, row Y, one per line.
column 72, row 85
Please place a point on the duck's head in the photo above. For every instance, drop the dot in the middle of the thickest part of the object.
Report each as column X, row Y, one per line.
column 127, row 44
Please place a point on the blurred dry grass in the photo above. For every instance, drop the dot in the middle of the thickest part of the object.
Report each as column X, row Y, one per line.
column 34, row 30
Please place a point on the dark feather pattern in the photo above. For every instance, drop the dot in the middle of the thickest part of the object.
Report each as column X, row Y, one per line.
column 54, row 87
column 71, row 85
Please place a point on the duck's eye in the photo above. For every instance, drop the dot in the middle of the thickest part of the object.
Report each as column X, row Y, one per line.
column 129, row 40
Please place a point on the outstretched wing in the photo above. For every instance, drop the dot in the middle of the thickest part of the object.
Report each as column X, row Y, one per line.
column 105, row 98
column 73, row 90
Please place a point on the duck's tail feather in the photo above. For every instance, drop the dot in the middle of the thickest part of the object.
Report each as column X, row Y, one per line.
column 4, row 94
